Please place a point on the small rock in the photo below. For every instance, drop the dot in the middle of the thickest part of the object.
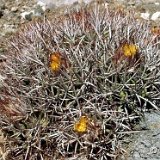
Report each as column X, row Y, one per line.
column 27, row 15
column 157, row 3
column 145, row 15
column 38, row 11
column 42, row 5
column 46, row 4
column 155, row 16
column 14, row 9
column 153, row 150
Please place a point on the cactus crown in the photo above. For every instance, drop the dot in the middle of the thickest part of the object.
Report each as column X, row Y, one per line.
column 94, row 70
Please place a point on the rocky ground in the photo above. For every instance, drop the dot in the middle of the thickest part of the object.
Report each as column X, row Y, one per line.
column 144, row 144
column 15, row 13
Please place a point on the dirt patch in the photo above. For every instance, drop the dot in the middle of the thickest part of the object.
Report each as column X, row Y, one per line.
column 145, row 144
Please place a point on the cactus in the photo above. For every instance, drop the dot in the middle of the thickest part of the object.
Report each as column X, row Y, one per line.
column 94, row 63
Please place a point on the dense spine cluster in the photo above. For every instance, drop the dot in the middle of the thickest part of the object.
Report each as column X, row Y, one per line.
column 83, row 79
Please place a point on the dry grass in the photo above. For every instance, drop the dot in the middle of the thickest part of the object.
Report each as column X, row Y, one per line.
column 112, row 94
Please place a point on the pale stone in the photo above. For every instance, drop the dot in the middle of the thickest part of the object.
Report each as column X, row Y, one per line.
column 145, row 15
column 155, row 16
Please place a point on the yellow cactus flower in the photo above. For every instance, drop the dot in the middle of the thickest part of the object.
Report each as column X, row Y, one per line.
column 81, row 125
column 59, row 62
column 129, row 50
column 55, row 61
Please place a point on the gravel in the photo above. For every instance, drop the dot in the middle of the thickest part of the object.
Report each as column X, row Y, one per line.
column 146, row 144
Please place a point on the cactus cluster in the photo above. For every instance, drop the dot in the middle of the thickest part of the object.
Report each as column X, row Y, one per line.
column 74, row 85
